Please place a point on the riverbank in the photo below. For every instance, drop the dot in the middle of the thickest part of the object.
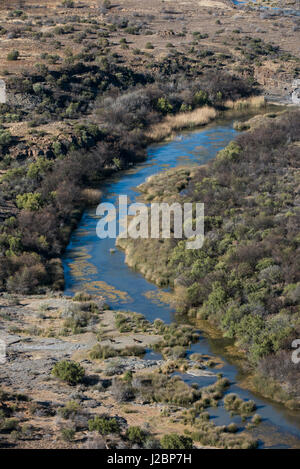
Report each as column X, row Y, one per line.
column 63, row 184
column 182, row 271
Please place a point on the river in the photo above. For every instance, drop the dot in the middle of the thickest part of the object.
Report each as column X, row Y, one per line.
column 90, row 265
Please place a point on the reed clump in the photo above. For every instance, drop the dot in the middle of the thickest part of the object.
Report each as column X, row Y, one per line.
column 255, row 102
column 183, row 120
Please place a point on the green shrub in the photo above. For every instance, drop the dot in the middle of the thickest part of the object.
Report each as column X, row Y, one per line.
column 5, row 138
column 136, row 435
column 256, row 419
column 8, row 425
column 232, row 428
column 13, row 55
column 201, row 98
column 102, row 352
column 72, row 110
column 82, row 296
column 38, row 169
column 128, row 376
column 104, row 425
column 149, row 46
column 164, row 106
column 67, row 434
column 30, row 201
column 173, row 441
column 68, row 3
column 231, row 153
column 69, row 371
column 70, row 409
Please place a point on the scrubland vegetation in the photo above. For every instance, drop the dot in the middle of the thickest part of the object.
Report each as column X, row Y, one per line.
column 87, row 106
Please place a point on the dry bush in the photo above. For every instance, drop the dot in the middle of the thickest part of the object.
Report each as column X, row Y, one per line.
column 91, row 196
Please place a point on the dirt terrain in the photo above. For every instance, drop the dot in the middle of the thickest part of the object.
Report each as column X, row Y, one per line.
column 36, row 335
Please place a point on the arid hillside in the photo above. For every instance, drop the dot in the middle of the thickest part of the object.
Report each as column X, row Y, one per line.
column 50, row 32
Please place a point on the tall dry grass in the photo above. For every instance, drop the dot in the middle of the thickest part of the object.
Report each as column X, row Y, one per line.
column 247, row 103
column 200, row 116
column 184, row 120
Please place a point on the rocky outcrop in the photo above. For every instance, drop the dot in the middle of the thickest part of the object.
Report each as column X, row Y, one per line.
column 24, row 101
